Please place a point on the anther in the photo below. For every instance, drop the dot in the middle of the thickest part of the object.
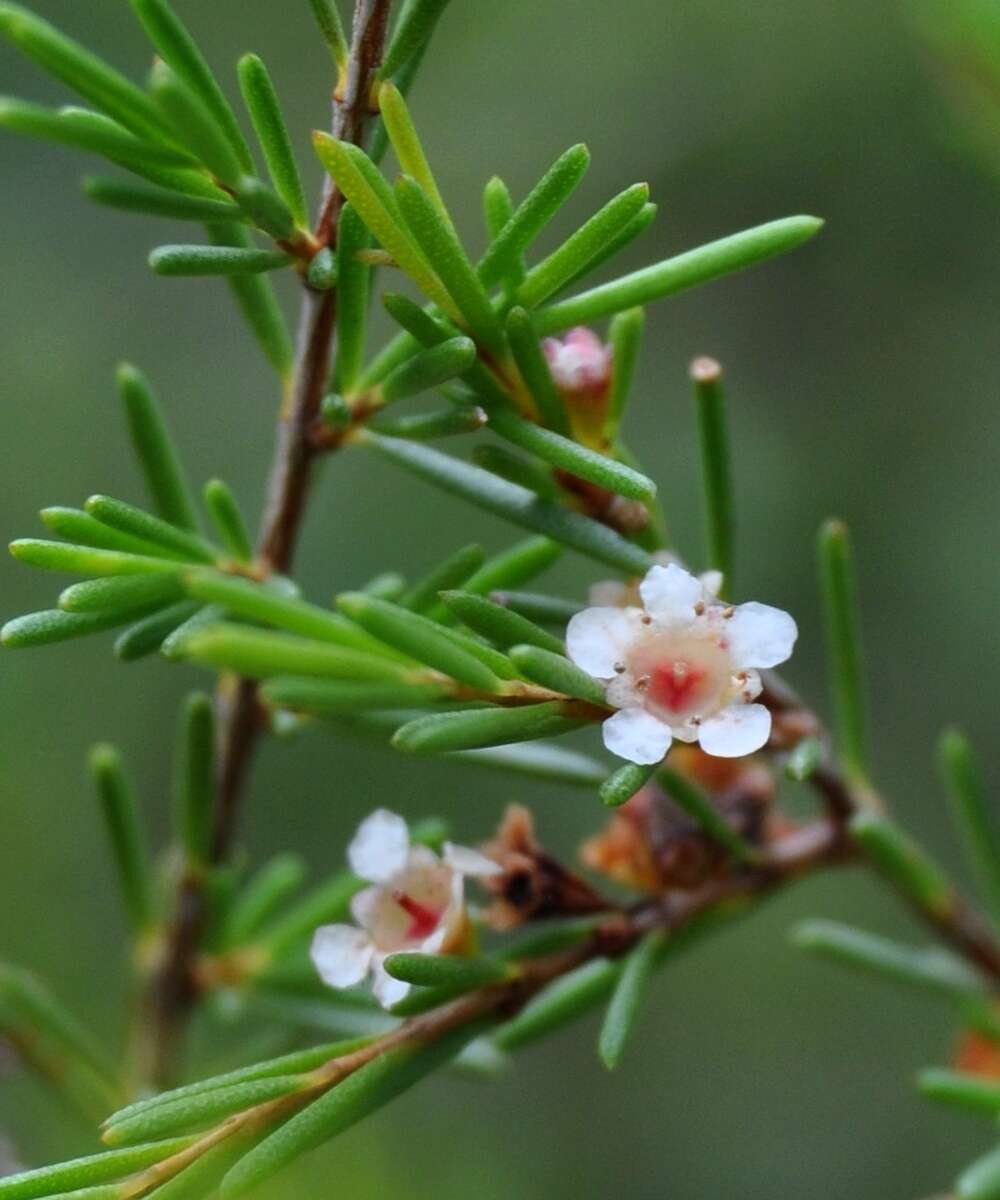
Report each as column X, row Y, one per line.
column 728, row 611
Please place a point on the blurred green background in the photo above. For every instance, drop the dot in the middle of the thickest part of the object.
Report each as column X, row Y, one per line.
column 864, row 381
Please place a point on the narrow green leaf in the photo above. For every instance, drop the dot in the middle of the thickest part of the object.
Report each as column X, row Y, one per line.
column 156, row 201
column 180, row 542
column 546, row 610
column 413, row 30
column 555, row 671
column 906, row 864
column 425, row 427
column 440, row 733
column 579, row 250
column 327, row 902
column 843, row 643
column 259, row 654
column 981, row 1181
column 334, row 696
column 416, row 636
column 353, row 285
column 161, row 465
column 626, row 235
column 931, row 969
column 450, row 573
column 532, row 215
column 446, row 970
column 698, row 805
column 202, row 1177
column 499, row 624
column 193, row 124
column 354, row 179
column 228, row 520
column 973, row 814
column 54, row 625
column 525, row 472
column 567, row 455
column 540, row 760
column 560, row 1003
column 620, row 1019
column 147, row 635
column 81, row 528
column 972, row 1092
column 623, row 784
column 674, row 275
column 87, row 1172
column 439, row 243
column 215, row 260
column 498, row 663
column 331, row 27
column 126, row 594
column 121, row 816
column 178, row 49
column 86, row 560
column 361, row 1093
column 515, row 504
column 534, row 368
column 804, row 759
column 203, row 617
column 498, row 208
column 716, row 466
column 389, row 585
column 520, row 563
column 79, row 69
column 256, row 300
column 407, row 145
column 274, row 884
column 625, row 336
column 195, row 779
column 428, row 369
column 264, row 207
column 269, row 124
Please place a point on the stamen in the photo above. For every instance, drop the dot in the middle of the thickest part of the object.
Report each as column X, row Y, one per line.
column 728, row 611
column 699, row 608
column 619, row 668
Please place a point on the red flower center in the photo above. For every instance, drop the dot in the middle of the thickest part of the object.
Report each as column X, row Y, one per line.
column 676, row 685
column 423, row 920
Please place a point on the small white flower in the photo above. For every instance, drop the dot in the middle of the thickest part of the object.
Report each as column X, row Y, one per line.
column 683, row 665
column 415, row 903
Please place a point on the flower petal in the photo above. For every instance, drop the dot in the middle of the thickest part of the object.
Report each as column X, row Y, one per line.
column 760, row 635
column 636, row 735
column 737, row 730
column 670, row 594
column 469, row 862
column 364, row 906
column 598, row 638
column 388, row 991
column 379, row 847
column 341, row 954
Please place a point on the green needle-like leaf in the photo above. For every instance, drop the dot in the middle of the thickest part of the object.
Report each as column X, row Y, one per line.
column 441, row 733
column 260, row 654
column 407, row 145
column 413, row 30
column 562, row 1002
column 525, row 472
column 54, row 625
column 546, row 610
column 161, row 465
column 575, row 254
column 179, row 542
column 70, row 1177
column 625, row 335
column 539, row 760
column 450, row 573
column 623, row 784
column 620, row 1019
column 960, row 1090
column 121, row 815
column 446, row 970
column 334, row 696
column 535, row 371
column 498, row 208
column 86, row 560
column 627, row 234
column 329, row 901
column 904, row 863
column 228, row 520
column 157, row 201
column 148, row 635
column 205, row 615
column 499, row 624
column 81, row 528
column 194, row 125
column 699, row 807
column 331, row 27
column 215, row 260
column 981, row 1181
column 519, row 564
column 361, row 1093
column 532, row 215
column 195, row 780
column 843, row 645
column 515, row 504
column 353, row 283
column 418, row 637
column 974, row 815
column 674, row 275
column 178, row 49
column 426, row 427
column 269, row 124
column 554, row 671
column 716, row 466
column 274, row 884
column 79, row 69
column 264, row 207
column 125, row 594
column 428, row 369
column 932, row 969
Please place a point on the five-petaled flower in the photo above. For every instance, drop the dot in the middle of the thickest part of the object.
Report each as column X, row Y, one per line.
column 416, row 903
column 683, row 665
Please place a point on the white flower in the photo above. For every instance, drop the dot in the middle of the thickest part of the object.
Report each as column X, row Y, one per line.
column 620, row 593
column 415, row 903
column 681, row 666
